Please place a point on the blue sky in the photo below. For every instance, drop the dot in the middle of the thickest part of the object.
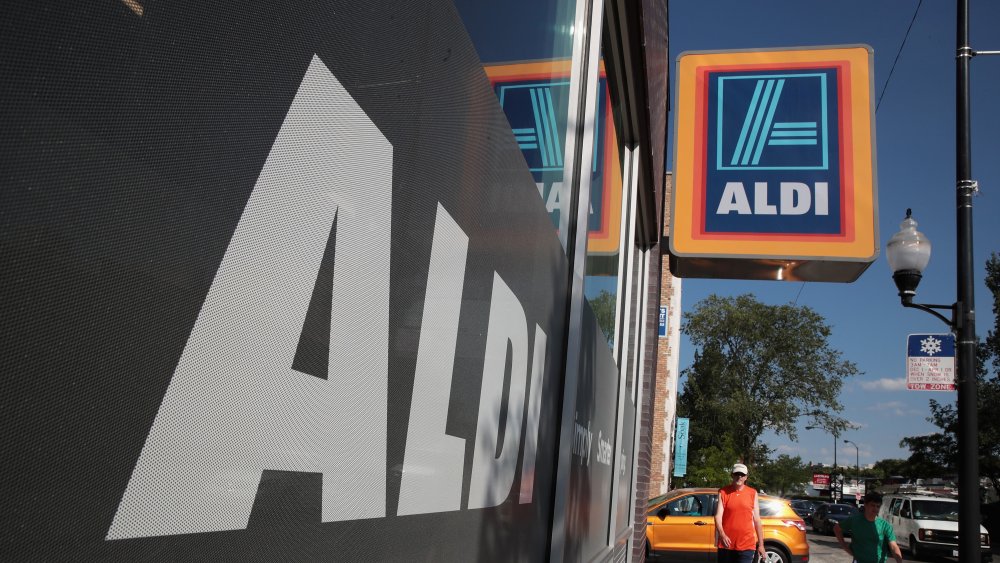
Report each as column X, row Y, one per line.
column 915, row 140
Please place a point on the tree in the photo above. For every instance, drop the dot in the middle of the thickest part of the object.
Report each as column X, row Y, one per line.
column 932, row 455
column 758, row 367
column 891, row 468
column 604, row 309
column 992, row 344
column 783, row 476
column 941, row 449
column 710, row 466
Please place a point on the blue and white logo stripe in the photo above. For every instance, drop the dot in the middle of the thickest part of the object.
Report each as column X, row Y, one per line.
column 755, row 113
column 534, row 122
column 793, row 133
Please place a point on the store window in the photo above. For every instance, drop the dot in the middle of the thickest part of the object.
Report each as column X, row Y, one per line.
column 604, row 225
column 526, row 50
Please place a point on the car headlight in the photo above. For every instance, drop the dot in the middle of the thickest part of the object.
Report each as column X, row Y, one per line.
column 984, row 539
column 925, row 535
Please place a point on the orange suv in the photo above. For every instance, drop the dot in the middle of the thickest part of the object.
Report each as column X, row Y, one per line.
column 680, row 526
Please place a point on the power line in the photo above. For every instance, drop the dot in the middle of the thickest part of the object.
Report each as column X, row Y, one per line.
column 899, row 52
column 884, row 87
column 803, row 286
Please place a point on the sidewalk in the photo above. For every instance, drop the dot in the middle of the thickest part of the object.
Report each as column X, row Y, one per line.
column 824, row 549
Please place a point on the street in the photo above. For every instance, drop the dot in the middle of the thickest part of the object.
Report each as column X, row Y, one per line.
column 824, row 549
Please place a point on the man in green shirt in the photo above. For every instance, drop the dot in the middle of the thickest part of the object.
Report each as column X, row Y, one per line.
column 870, row 535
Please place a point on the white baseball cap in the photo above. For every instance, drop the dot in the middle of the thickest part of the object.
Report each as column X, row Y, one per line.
column 740, row 468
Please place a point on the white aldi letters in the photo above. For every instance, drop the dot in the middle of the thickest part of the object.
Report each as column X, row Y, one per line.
column 235, row 407
column 795, row 198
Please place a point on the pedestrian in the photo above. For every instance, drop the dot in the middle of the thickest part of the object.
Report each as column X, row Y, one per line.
column 872, row 538
column 737, row 520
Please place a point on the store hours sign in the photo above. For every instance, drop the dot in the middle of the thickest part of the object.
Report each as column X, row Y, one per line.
column 930, row 362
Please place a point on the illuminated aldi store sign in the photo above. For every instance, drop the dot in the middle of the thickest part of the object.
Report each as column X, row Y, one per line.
column 774, row 165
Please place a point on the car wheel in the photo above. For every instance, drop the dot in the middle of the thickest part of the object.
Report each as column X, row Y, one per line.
column 914, row 550
column 774, row 554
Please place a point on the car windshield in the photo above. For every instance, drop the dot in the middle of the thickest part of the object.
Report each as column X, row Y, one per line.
column 657, row 500
column 842, row 509
column 935, row 510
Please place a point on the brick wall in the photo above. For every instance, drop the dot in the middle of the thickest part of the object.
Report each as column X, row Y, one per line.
column 665, row 390
column 659, row 385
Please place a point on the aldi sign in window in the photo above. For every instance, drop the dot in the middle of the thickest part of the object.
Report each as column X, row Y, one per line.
column 533, row 97
column 775, row 173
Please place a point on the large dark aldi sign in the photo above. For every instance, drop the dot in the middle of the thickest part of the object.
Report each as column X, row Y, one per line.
column 273, row 290
column 775, row 169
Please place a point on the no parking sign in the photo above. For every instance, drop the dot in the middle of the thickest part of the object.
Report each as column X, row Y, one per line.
column 930, row 362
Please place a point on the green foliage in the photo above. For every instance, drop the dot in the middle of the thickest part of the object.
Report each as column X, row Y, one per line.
column 710, row 466
column 604, row 309
column 891, row 468
column 783, row 476
column 992, row 343
column 758, row 367
column 932, row 455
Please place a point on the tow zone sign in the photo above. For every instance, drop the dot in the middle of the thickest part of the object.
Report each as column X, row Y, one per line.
column 930, row 362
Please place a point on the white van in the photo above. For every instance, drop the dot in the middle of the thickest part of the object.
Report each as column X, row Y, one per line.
column 927, row 525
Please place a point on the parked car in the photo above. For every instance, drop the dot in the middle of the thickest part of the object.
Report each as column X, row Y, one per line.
column 927, row 525
column 680, row 526
column 804, row 508
column 827, row 515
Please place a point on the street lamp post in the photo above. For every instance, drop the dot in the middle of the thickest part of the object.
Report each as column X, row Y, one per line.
column 857, row 461
column 907, row 255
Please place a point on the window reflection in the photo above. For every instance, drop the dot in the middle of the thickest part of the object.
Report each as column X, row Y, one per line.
column 605, row 217
column 525, row 47
column 534, row 98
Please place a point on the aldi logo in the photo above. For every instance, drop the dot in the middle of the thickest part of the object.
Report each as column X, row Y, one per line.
column 769, row 151
column 795, row 138
column 774, row 162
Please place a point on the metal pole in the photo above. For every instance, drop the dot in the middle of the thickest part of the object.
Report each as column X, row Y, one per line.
column 835, row 452
column 857, row 461
column 968, row 455
column 840, row 488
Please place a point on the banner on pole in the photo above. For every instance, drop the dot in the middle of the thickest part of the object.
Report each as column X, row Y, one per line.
column 681, row 447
